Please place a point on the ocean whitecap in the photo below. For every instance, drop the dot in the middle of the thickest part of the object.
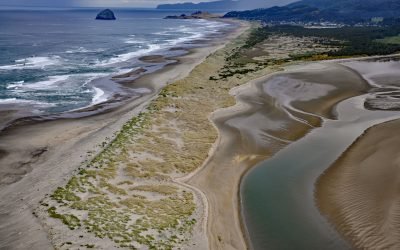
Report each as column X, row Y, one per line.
column 32, row 63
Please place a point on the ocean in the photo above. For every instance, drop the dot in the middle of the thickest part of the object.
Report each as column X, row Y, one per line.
column 50, row 61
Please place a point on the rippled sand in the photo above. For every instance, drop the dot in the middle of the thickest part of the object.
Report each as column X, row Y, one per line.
column 360, row 192
column 271, row 112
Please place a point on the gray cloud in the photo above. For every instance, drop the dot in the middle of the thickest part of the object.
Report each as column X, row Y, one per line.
column 130, row 3
column 49, row 3
column 88, row 3
column 125, row 3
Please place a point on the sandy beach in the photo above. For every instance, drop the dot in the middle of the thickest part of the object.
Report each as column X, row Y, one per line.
column 267, row 117
column 164, row 169
column 358, row 193
column 231, row 145
column 37, row 158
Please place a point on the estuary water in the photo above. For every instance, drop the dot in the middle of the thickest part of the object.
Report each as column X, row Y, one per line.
column 277, row 196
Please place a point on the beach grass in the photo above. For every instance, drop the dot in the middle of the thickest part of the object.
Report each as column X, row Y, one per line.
column 128, row 193
column 390, row 40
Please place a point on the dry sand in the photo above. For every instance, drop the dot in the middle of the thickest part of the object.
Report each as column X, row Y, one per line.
column 37, row 158
column 360, row 192
column 265, row 119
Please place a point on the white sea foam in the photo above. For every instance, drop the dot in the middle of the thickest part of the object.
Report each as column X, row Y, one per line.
column 51, row 82
column 15, row 85
column 130, row 55
column 185, row 39
column 12, row 101
column 134, row 41
column 99, row 96
column 163, row 33
column 190, row 33
column 124, row 71
column 16, row 101
column 90, row 77
column 83, row 50
column 193, row 33
column 32, row 63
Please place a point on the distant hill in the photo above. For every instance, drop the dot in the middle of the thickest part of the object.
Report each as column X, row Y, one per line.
column 348, row 11
column 217, row 5
column 359, row 8
column 225, row 5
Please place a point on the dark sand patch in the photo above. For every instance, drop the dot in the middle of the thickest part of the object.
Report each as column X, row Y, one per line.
column 153, row 59
column 132, row 73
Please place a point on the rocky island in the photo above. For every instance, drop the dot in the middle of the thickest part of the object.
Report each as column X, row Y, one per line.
column 106, row 14
column 195, row 15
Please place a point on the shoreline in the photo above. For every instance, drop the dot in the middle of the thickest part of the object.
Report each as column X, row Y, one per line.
column 78, row 136
column 340, row 175
column 117, row 100
column 333, row 105
column 121, row 90
column 357, row 193
column 241, row 162
column 96, row 133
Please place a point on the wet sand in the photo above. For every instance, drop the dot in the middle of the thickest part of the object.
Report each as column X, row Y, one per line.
column 38, row 157
column 278, row 195
column 267, row 117
column 153, row 59
column 262, row 123
column 359, row 192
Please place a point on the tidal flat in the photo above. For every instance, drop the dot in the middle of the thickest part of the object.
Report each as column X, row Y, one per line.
column 164, row 171
column 278, row 195
column 161, row 147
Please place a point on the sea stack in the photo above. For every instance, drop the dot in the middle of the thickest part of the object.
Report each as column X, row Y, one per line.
column 106, row 14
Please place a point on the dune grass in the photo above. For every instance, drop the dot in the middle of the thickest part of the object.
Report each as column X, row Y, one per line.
column 127, row 193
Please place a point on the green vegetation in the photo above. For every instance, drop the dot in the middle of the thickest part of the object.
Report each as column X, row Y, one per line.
column 243, row 59
column 70, row 220
column 113, row 219
column 256, row 36
column 161, row 189
column 355, row 41
column 332, row 42
column 108, row 204
column 390, row 40
column 126, row 193
column 338, row 11
column 322, row 44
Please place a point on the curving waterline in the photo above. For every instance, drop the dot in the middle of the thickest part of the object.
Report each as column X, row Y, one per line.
column 277, row 195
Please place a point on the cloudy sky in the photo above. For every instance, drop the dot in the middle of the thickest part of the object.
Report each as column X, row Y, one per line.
column 113, row 3
column 110, row 3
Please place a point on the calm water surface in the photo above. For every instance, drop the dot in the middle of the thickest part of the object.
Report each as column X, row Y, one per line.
column 278, row 195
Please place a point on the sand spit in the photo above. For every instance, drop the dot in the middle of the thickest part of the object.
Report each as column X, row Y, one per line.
column 270, row 113
column 359, row 193
column 151, row 168
column 38, row 158
column 175, row 122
